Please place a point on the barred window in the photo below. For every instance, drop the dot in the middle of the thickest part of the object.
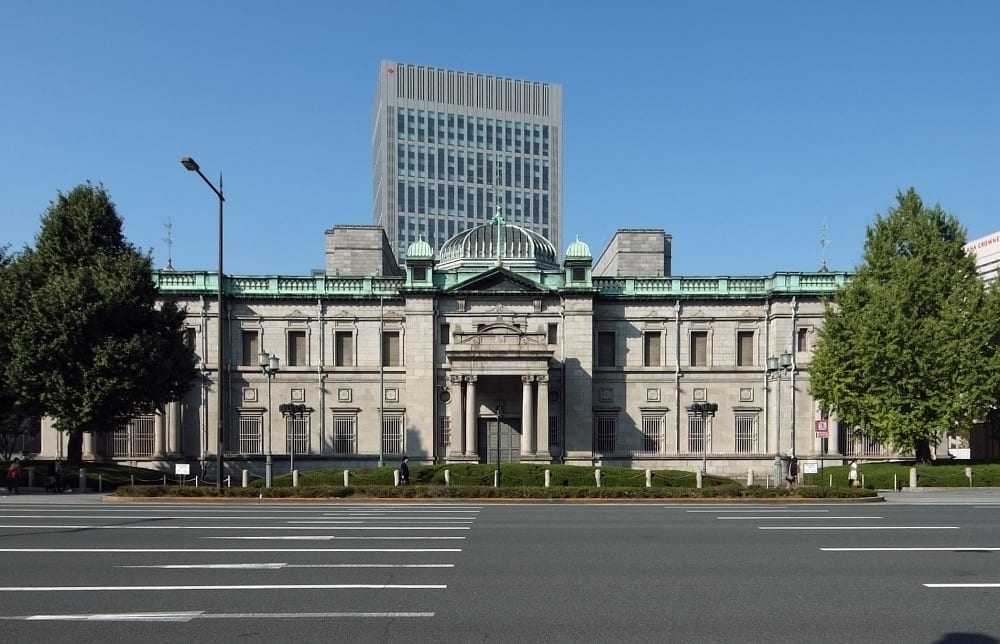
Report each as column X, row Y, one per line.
column 652, row 433
column 851, row 442
column 297, row 435
column 696, row 433
column 392, row 434
column 251, row 425
column 553, row 431
column 606, row 428
column 136, row 438
column 746, row 432
column 444, row 431
column 345, row 434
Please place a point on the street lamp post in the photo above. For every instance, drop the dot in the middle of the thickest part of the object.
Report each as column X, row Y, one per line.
column 776, row 370
column 192, row 166
column 704, row 409
column 499, row 423
column 269, row 365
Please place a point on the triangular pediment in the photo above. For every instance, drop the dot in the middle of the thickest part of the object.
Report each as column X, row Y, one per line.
column 498, row 280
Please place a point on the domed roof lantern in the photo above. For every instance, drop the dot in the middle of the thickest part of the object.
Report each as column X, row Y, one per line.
column 578, row 250
column 419, row 250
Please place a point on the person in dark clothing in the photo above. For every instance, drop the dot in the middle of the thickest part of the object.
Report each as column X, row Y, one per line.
column 404, row 471
column 14, row 477
column 793, row 472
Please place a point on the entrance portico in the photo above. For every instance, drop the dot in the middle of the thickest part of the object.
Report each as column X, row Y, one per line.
column 485, row 369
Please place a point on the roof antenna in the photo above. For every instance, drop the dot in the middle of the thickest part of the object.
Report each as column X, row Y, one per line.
column 170, row 243
column 498, row 217
column 823, row 243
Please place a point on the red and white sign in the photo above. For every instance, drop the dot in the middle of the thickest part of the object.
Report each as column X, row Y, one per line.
column 822, row 429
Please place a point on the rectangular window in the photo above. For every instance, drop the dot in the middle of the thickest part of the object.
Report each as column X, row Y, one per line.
column 135, row 438
column 391, row 356
column 652, row 433
column 297, row 435
column 802, row 339
column 746, row 432
column 345, row 434
column 699, row 348
column 553, row 432
column 651, row 349
column 444, row 431
column 696, row 433
column 297, row 349
column 744, row 348
column 605, row 348
column 606, row 430
column 251, row 425
column 578, row 274
column 190, row 338
column 445, row 332
column 553, row 334
column 343, row 348
column 250, row 348
column 392, row 434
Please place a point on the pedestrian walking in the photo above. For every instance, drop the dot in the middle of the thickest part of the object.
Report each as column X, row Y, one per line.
column 852, row 475
column 793, row 472
column 14, row 477
column 404, row 471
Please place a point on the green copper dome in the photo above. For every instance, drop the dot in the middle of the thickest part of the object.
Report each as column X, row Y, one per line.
column 578, row 250
column 419, row 250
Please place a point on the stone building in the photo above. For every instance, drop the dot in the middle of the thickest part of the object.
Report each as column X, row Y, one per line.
column 492, row 347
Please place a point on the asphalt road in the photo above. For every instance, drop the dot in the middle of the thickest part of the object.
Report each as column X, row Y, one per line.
column 917, row 568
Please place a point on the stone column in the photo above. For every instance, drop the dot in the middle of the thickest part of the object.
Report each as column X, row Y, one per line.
column 89, row 446
column 527, row 415
column 174, row 437
column 456, row 413
column 542, row 409
column 159, row 435
column 470, row 416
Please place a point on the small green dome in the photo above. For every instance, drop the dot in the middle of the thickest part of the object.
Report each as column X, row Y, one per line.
column 578, row 250
column 419, row 250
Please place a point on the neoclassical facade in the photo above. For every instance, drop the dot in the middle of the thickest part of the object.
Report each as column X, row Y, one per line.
column 491, row 348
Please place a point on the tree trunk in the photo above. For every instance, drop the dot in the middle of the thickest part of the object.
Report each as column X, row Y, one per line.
column 922, row 448
column 74, row 448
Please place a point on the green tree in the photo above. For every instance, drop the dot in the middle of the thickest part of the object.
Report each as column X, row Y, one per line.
column 90, row 347
column 908, row 349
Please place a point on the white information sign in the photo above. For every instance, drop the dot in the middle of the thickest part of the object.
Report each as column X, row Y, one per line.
column 182, row 468
column 810, row 467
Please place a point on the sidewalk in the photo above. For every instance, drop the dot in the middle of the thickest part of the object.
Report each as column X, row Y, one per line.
column 37, row 495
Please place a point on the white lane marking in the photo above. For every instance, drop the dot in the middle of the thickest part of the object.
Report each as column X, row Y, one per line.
column 962, row 585
column 232, row 527
column 771, row 518
column 278, row 566
column 753, row 510
column 915, row 549
column 857, row 527
column 188, row 616
column 146, row 550
column 77, row 589
column 340, row 521
column 323, row 537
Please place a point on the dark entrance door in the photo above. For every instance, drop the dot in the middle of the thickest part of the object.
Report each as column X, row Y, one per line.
column 510, row 440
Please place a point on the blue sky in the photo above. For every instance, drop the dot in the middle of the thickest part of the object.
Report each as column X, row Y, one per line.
column 741, row 128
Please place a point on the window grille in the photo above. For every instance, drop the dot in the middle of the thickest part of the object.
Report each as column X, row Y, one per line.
column 392, row 434
column 850, row 442
column 607, row 430
column 652, row 434
column 297, row 435
column 345, row 434
column 746, row 433
column 444, row 431
column 251, row 426
column 696, row 433
column 553, row 431
column 136, row 438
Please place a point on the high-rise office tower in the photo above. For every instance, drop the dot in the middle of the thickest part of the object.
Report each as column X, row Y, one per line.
column 448, row 144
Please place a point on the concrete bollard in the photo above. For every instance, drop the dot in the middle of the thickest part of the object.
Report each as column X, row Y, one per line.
column 913, row 478
column 31, row 477
column 548, row 478
column 447, row 478
column 395, row 477
column 295, row 478
column 83, row 480
column 246, row 478
column 749, row 478
column 968, row 475
column 347, row 480
column 697, row 479
column 649, row 478
column 597, row 476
